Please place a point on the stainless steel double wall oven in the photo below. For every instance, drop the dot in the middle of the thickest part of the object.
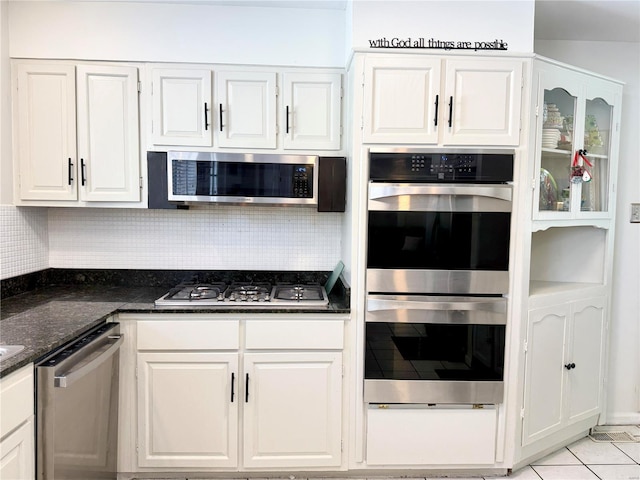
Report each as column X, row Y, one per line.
column 438, row 236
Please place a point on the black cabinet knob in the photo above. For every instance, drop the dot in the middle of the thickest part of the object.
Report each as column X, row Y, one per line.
column 569, row 366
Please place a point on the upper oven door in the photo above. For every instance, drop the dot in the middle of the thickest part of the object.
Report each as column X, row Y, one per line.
column 450, row 239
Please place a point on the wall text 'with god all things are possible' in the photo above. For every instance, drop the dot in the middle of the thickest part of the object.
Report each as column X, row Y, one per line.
column 432, row 43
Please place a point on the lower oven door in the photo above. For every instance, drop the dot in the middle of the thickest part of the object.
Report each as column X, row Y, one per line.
column 434, row 349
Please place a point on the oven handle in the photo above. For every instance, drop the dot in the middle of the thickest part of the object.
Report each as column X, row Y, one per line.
column 436, row 309
column 384, row 190
column 86, row 365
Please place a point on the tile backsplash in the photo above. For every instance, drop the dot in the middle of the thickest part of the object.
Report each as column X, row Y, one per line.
column 216, row 237
column 24, row 246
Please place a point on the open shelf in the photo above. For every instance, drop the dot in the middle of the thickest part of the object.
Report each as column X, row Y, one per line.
column 567, row 262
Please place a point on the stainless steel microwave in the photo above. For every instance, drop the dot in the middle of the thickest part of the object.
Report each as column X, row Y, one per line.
column 242, row 178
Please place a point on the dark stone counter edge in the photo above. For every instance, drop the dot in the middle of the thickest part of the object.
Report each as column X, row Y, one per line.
column 339, row 300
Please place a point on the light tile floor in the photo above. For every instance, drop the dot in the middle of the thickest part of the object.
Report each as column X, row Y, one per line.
column 588, row 460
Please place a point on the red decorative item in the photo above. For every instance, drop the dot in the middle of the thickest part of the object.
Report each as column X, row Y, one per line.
column 579, row 173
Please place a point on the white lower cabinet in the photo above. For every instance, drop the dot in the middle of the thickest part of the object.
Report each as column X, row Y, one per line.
column 421, row 435
column 17, row 453
column 564, row 366
column 186, row 416
column 17, row 450
column 228, row 395
column 292, row 409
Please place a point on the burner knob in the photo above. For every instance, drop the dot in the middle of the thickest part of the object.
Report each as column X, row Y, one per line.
column 250, row 299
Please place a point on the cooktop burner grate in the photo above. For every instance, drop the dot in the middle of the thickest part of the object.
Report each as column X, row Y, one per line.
column 246, row 294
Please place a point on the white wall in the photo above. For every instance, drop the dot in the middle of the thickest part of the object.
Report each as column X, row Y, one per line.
column 174, row 32
column 445, row 20
column 620, row 61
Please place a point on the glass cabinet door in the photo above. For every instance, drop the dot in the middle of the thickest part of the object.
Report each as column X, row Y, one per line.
column 558, row 145
column 597, row 141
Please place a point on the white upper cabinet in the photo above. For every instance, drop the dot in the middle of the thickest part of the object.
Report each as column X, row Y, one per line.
column 576, row 145
column 108, row 139
column 181, row 107
column 482, row 102
column 46, row 131
column 312, row 110
column 246, row 103
column 401, row 99
column 422, row 100
column 95, row 158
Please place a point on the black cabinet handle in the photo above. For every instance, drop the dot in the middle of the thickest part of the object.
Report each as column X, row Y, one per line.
column 220, row 117
column 83, row 177
column 233, row 383
column 569, row 366
column 287, row 119
column 435, row 118
column 206, row 119
column 246, row 389
column 450, row 110
column 70, row 171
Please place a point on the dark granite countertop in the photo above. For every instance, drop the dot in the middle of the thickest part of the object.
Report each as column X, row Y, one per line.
column 48, row 316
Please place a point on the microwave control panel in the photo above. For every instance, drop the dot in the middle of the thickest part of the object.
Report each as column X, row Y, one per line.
column 303, row 182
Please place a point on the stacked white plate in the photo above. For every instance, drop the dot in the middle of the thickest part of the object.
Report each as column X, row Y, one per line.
column 550, row 137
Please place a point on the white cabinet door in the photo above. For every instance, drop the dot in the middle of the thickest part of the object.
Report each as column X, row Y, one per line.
column 292, row 409
column 46, row 131
column 17, row 459
column 181, row 107
column 482, row 102
column 108, row 145
column 246, row 109
column 187, row 409
column 312, row 111
column 586, row 358
column 544, row 372
column 402, row 100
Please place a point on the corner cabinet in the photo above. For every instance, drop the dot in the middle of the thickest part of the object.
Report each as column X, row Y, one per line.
column 76, row 132
column 566, row 256
column 577, row 121
column 220, row 394
column 564, row 364
column 427, row 100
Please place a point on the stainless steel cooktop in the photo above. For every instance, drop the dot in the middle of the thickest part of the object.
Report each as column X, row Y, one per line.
column 245, row 295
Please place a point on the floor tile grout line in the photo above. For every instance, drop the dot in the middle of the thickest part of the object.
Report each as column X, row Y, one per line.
column 599, row 477
column 632, row 459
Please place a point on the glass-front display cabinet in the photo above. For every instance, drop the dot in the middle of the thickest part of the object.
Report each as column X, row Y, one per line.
column 576, row 144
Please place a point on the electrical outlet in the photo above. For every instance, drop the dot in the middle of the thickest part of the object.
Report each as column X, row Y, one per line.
column 635, row 213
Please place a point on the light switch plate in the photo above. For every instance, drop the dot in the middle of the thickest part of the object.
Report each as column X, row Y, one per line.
column 635, row 213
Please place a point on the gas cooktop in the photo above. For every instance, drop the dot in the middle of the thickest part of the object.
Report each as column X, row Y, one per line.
column 243, row 295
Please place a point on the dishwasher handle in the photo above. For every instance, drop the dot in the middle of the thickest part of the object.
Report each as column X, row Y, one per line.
column 82, row 368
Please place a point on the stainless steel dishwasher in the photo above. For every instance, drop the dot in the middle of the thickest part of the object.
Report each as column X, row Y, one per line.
column 77, row 408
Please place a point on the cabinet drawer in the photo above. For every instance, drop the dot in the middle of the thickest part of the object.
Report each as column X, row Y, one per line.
column 16, row 397
column 296, row 334
column 430, row 436
column 188, row 335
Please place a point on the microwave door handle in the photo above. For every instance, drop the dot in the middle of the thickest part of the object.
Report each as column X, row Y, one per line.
column 385, row 190
column 81, row 369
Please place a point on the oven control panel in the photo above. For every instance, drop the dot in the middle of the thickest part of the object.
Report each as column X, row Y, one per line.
column 441, row 167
